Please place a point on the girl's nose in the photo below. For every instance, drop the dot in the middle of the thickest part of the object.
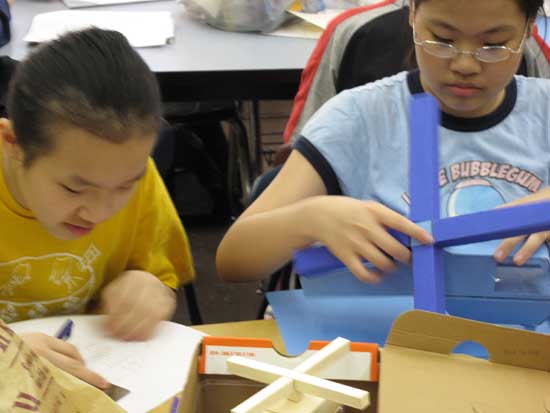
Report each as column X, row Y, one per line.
column 465, row 64
column 97, row 211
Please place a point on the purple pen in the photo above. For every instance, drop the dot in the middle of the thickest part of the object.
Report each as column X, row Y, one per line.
column 175, row 404
column 65, row 331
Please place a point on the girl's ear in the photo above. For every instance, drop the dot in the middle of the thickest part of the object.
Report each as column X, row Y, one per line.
column 7, row 135
column 531, row 27
column 6, row 131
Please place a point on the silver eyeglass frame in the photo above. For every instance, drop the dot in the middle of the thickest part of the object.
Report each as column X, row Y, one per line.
column 476, row 53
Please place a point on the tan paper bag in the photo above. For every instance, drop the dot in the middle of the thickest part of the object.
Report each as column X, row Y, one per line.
column 29, row 383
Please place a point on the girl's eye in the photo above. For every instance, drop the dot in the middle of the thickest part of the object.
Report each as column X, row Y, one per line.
column 441, row 39
column 70, row 190
column 494, row 44
column 125, row 188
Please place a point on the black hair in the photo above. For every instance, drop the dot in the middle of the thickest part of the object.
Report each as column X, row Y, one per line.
column 90, row 79
column 529, row 7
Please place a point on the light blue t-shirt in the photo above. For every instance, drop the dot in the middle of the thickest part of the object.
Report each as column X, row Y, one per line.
column 358, row 142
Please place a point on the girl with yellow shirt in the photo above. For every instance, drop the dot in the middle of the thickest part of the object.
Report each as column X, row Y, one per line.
column 84, row 215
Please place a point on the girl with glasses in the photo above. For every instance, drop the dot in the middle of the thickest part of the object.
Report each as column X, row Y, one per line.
column 345, row 183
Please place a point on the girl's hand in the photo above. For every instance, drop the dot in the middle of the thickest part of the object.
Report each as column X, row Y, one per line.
column 135, row 302
column 63, row 355
column 355, row 230
column 532, row 242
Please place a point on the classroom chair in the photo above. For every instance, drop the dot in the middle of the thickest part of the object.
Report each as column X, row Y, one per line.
column 163, row 155
column 218, row 127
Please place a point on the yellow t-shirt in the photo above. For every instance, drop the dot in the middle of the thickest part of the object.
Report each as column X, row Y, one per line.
column 41, row 275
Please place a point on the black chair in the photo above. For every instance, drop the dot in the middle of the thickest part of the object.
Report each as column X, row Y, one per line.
column 239, row 167
column 163, row 156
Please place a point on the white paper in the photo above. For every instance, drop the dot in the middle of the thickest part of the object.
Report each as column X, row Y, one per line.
column 320, row 19
column 153, row 371
column 142, row 29
column 301, row 29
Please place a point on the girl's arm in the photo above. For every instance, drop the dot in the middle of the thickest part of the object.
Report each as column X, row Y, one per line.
column 294, row 212
column 278, row 223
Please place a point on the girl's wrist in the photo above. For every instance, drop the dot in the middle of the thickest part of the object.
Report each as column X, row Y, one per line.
column 305, row 223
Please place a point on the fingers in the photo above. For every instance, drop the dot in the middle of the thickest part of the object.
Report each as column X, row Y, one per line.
column 120, row 310
column 119, row 302
column 65, row 356
column 506, row 247
column 67, row 349
column 375, row 256
column 353, row 257
column 141, row 330
column 134, row 312
column 392, row 219
column 388, row 247
column 355, row 264
column 77, row 369
column 531, row 245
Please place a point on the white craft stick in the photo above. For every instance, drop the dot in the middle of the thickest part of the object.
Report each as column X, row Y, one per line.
column 303, row 383
column 335, row 349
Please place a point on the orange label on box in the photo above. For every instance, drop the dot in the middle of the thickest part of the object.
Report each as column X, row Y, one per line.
column 361, row 363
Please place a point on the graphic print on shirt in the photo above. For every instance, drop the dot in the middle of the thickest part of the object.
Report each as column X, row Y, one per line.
column 494, row 170
column 472, row 186
column 32, row 287
column 471, row 196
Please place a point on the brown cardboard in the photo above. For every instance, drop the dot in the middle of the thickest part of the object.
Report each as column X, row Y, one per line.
column 253, row 329
column 29, row 382
column 418, row 372
column 219, row 394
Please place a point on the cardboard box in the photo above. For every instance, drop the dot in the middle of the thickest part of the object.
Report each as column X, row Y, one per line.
column 360, row 363
column 221, row 392
column 420, row 373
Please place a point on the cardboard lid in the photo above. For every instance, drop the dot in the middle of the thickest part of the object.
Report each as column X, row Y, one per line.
column 419, row 373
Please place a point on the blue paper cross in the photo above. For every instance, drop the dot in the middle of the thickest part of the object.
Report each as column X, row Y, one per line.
column 428, row 264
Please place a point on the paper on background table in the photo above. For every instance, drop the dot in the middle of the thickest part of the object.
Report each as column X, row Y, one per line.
column 74, row 4
column 152, row 370
column 299, row 28
column 308, row 26
column 159, row 25
column 320, row 19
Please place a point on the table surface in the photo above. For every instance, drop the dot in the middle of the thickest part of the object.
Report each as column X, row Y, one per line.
column 197, row 47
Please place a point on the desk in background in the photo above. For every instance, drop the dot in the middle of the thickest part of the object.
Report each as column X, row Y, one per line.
column 202, row 63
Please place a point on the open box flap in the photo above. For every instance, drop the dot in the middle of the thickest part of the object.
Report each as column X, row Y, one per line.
column 419, row 373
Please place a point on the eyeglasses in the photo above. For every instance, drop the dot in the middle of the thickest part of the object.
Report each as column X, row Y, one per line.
column 487, row 54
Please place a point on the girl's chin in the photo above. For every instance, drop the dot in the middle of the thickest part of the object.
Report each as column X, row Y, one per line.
column 464, row 109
